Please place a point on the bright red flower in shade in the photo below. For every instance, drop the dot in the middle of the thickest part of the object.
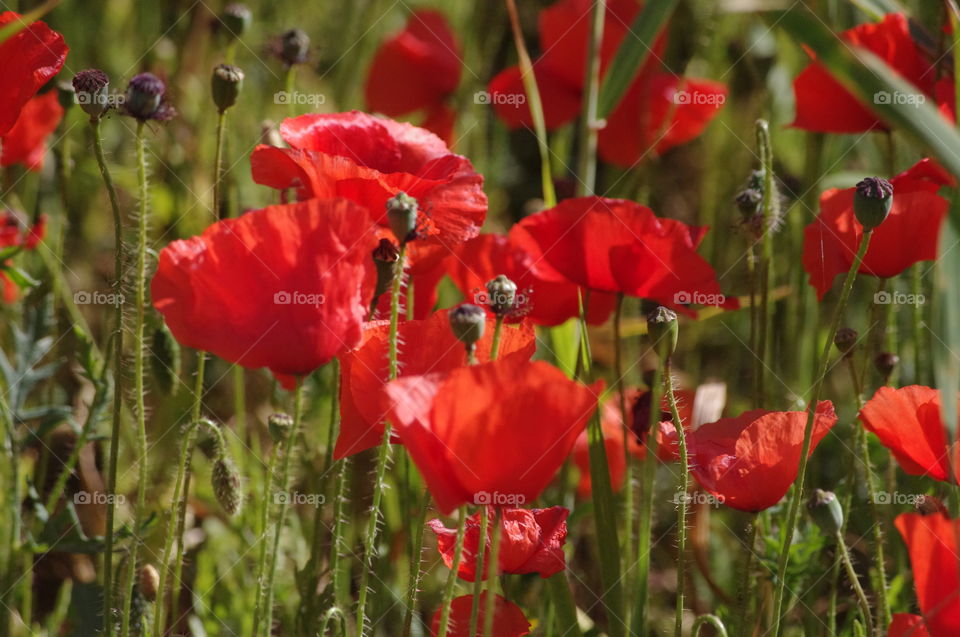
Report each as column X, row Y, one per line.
column 427, row 346
column 909, row 423
column 368, row 160
column 614, row 245
column 749, row 462
column 531, row 542
column 825, row 105
column 659, row 111
column 13, row 233
column 417, row 69
column 932, row 544
column 508, row 619
column 463, row 428
column 909, row 234
column 905, row 625
column 25, row 143
column 543, row 303
column 31, row 58
column 286, row 287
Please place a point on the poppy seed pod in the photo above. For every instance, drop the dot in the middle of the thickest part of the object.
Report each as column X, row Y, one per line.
column 385, row 257
column 402, row 216
column 144, row 96
column 846, row 340
column 872, row 201
column 148, row 581
column 91, row 88
column 824, row 508
column 294, row 45
column 885, row 363
column 467, row 322
column 501, row 295
column 236, row 19
column 279, row 426
column 225, row 85
column 663, row 330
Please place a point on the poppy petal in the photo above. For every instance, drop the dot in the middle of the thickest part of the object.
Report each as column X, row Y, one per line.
column 25, row 143
column 33, row 56
column 931, row 542
column 508, row 619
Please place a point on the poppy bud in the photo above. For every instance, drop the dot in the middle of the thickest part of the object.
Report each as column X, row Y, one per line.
column 824, row 508
column 236, row 19
column 885, row 363
column 225, row 85
column 748, row 202
column 66, row 95
column 846, row 340
column 294, row 45
column 385, row 257
column 148, row 582
column 279, row 426
column 226, row 485
column 501, row 294
column 402, row 216
column 929, row 505
column 872, row 201
column 144, row 96
column 91, row 88
column 211, row 440
column 467, row 322
column 662, row 328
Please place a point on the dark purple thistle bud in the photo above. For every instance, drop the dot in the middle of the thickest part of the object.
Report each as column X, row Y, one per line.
column 91, row 87
column 144, row 98
column 468, row 322
column 294, row 46
column 872, row 201
column 236, row 19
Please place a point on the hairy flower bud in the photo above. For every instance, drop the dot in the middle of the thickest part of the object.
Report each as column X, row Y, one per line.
column 148, row 581
column 225, row 85
column 279, row 426
column 824, row 508
column 144, row 96
column 385, row 257
column 91, row 87
column 872, row 201
column 226, row 485
column 402, row 216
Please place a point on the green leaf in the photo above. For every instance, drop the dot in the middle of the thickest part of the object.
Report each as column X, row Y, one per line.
column 866, row 76
column 9, row 251
column 563, row 345
column 18, row 276
column 633, row 53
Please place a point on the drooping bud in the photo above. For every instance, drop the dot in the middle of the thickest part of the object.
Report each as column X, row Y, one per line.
column 144, row 96
column 872, row 201
column 501, row 295
column 468, row 322
column 236, row 19
column 279, row 426
column 226, row 485
column 148, row 581
column 225, row 84
column 294, row 46
column 825, row 510
column 846, row 340
column 91, row 87
column 402, row 216
column 385, row 257
column 663, row 330
column 210, row 441
column 885, row 363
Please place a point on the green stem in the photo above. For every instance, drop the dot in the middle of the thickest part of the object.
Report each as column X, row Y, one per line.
column 494, row 572
column 453, row 574
column 338, row 566
column 138, row 379
column 713, row 620
column 855, row 582
column 265, row 509
column 682, row 500
column 797, row 497
column 416, row 572
column 589, row 127
column 771, row 210
column 478, row 579
column 219, row 210
column 747, row 581
column 11, row 574
column 495, row 345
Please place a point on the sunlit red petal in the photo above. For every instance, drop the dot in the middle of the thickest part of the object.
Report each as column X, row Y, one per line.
column 31, row 58
column 932, row 543
column 25, row 142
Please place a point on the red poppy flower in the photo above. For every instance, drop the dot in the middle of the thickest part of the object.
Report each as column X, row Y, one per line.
column 825, row 105
column 543, row 302
column 32, row 57
column 13, row 233
column 418, row 69
column 25, row 143
column 286, row 287
column 749, row 462
column 614, row 245
column 909, row 234
column 368, row 160
column 426, row 346
column 531, row 542
column 908, row 422
column 932, row 542
column 905, row 625
column 508, row 619
column 461, row 428
column 658, row 112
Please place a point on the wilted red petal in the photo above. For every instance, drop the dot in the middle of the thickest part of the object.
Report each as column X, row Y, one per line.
column 31, row 58
column 461, row 427
column 904, row 625
column 427, row 346
column 749, row 462
column 25, row 143
column 508, row 619
column 531, row 542
column 285, row 287
column 932, row 543
column 909, row 234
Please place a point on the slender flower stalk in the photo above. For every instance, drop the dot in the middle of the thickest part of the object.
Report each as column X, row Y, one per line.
column 495, row 345
column 280, row 438
column 684, row 486
column 771, row 210
column 855, row 582
column 478, row 580
column 416, row 572
column 494, row 568
column 453, row 574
